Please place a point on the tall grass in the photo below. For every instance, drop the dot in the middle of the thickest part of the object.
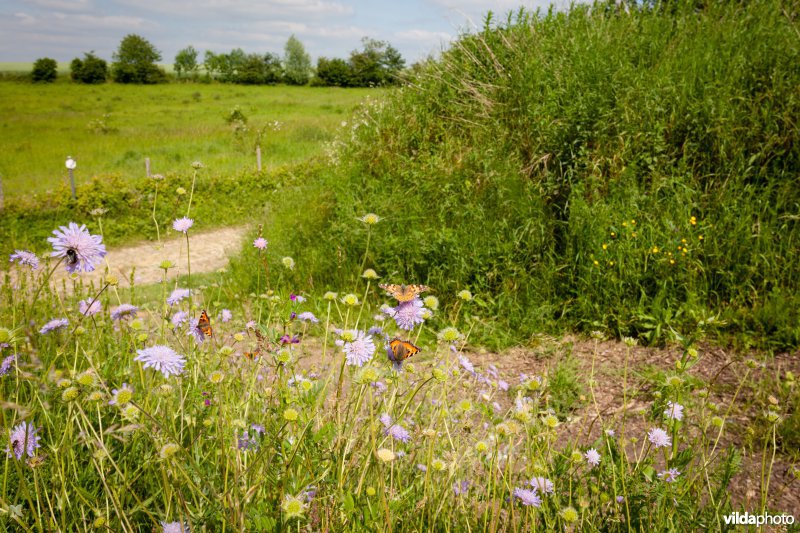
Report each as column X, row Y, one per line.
column 634, row 171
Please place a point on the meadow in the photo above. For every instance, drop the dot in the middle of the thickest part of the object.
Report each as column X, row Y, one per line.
column 548, row 284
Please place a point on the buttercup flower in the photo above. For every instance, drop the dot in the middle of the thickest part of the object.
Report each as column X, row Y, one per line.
column 24, row 257
column 80, row 250
column 56, row 323
column 659, row 438
column 182, row 224
column 161, row 358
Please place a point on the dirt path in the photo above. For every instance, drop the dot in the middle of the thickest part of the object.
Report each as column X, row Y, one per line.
column 209, row 252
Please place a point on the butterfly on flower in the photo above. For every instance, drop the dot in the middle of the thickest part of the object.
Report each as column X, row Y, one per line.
column 204, row 324
column 401, row 350
column 262, row 342
column 403, row 293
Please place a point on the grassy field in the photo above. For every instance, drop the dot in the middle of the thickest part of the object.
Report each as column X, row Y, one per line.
column 110, row 129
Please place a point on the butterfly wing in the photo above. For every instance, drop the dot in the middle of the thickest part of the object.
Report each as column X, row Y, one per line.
column 402, row 350
column 204, row 324
column 404, row 293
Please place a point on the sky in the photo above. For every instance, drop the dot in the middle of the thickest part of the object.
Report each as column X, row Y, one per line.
column 65, row 29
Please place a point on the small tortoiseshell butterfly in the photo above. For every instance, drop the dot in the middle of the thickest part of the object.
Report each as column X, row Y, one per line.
column 401, row 350
column 403, row 293
column 204, row 324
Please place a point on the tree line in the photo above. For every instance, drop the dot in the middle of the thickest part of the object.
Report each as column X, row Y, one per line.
column 376, row 63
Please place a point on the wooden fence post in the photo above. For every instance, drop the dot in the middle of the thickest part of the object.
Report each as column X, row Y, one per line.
column 2, row 198
column 147, row 166
column 258, row 157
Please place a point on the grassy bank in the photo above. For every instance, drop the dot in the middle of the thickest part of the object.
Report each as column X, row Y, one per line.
column 630, row 172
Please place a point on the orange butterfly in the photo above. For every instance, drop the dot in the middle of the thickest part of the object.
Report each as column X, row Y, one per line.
column 403, row 293
column 204, row 324
column 262, row 343
column 401, row 350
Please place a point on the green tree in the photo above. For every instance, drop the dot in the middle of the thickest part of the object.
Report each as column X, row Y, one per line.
column 332, row 72
column 296, row 62
column 135, row 61
column 44, row 70
column 378, row 63
column 186, row 61
column 90, row 69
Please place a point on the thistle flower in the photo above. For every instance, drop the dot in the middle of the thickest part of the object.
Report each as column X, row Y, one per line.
column 5, row 366
column 182, row 224
column 23, row 439
column 592, row 457
column 542, row 485
column 225, row 315
column 408, row 314
column 360, row 350
column 659, row 438
column 81, row 250
column 260, row 243
column 55, row 324
column 670, row 475
column 24, row 257
column 124, row 311
column 177, row 295
column 161, row 358
column 89, row 307
column 307, row 316
column 528, row 497
column 674, row 411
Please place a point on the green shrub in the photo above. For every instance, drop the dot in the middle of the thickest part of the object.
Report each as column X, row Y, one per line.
column 44, row 70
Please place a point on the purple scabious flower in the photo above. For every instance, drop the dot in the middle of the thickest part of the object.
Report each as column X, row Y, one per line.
column 260, row 243
column 175, row 527
column 5, row 366
column 246, row 442
column 670, row 475
column 398, row 432
column 502, row 385
column 258, row 428
column 177, row 295
column 226, row 315
column 466, row 364
column 386, row 420
column 195, row 332
column 422, row 468
column 89, row 307
column 592, row 457
column 24, row 257
column 179, row 318
column 528, row 497
column 460, row 488
column 379, row 387
column 182, row 224
column 81, row 250
column 23, row 440
column 542, row 485
column 408, row 314
column 659, row 438
column 161, row 358
column 286, row 339
column 56, row 323
column 124, row 311
column 360, row 350
column 674, row 411
column 308, row 316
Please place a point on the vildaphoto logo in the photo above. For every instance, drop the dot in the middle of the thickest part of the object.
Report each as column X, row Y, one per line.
column 747, row 519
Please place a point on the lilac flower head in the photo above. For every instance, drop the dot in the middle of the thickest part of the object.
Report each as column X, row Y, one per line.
column 592, row 457
column 23, row 440
column 246, row 442
column 182, row 224
column 669, row 476
column 124, row 311
column 398, row 432
column 408, row 314
column 379, row 387
column 528, row 497
column 375, row 331
column 286, row 339
column 177, row 295
column 196, row 332
column 674, row 411
column 226, row 315
column 56, row 323
column 386, row 420
column 5, row 366
column 81, row 250
column 460, row 488
column 360, row 350
column 175, row 527
column 161, row 358
column 24, row 257
column 542, row 485
column 258, row 428
column 466, row 364
column 89, row 307
column 307, row 316
column 179, row 318
column 260, row 243
column 659, row 438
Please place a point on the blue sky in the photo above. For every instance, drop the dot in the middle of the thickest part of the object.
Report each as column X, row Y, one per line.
column 64, row 29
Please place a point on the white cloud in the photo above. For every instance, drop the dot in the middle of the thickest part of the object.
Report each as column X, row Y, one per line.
column 62, row 5
column 242, row 9
column 24, row 19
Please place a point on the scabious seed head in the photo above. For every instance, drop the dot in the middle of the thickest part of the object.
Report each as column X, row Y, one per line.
column 350, row 299
column 368, row 374
column 439, row 375
column 70, row 393
column 429, row 432
column 100, row 522
column 551, row 421
column 293, row 507
column 576, row 456
column 288, row 262
column 95, row 396
column 290, row 415
column 87, row 378
column 569, row 514
column 329, row 296
column 438, row 465
column 465, row 295
column 385, row 455
column 481, row 446
column 130, row 412
column 370, row 491
column 166, row 264
column 370, row 274
column 216, row 377
column 465, row 405
column 449, row 334
column 168, row 450
column 431, row 302
column 674, row 381
column 370, row 219
column 63, row 383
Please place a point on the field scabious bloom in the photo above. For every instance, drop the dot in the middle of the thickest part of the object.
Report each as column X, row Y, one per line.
column 24, row 257
column 669, row 476
column 179, row 318
column 542, row 485
column 398, row 432
column 161, row 358
column 81, row 250
column 55, row 324
column 674, row 411
column 307, row 316
column 23, row 440
column 659, row 438
column 528, row 497
column 175, row 527
column 89, row 307
column 260, row 243
column 360, row 349
column 226, row 315
column 177, row 295
column 592, row 457
column 5, row 366
column 124, row 311
column 408, row 314
column 182, row 224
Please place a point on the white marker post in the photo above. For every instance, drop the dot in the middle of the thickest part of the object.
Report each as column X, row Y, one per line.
column 258, row 157
column 71, row 164
column 147, row 166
